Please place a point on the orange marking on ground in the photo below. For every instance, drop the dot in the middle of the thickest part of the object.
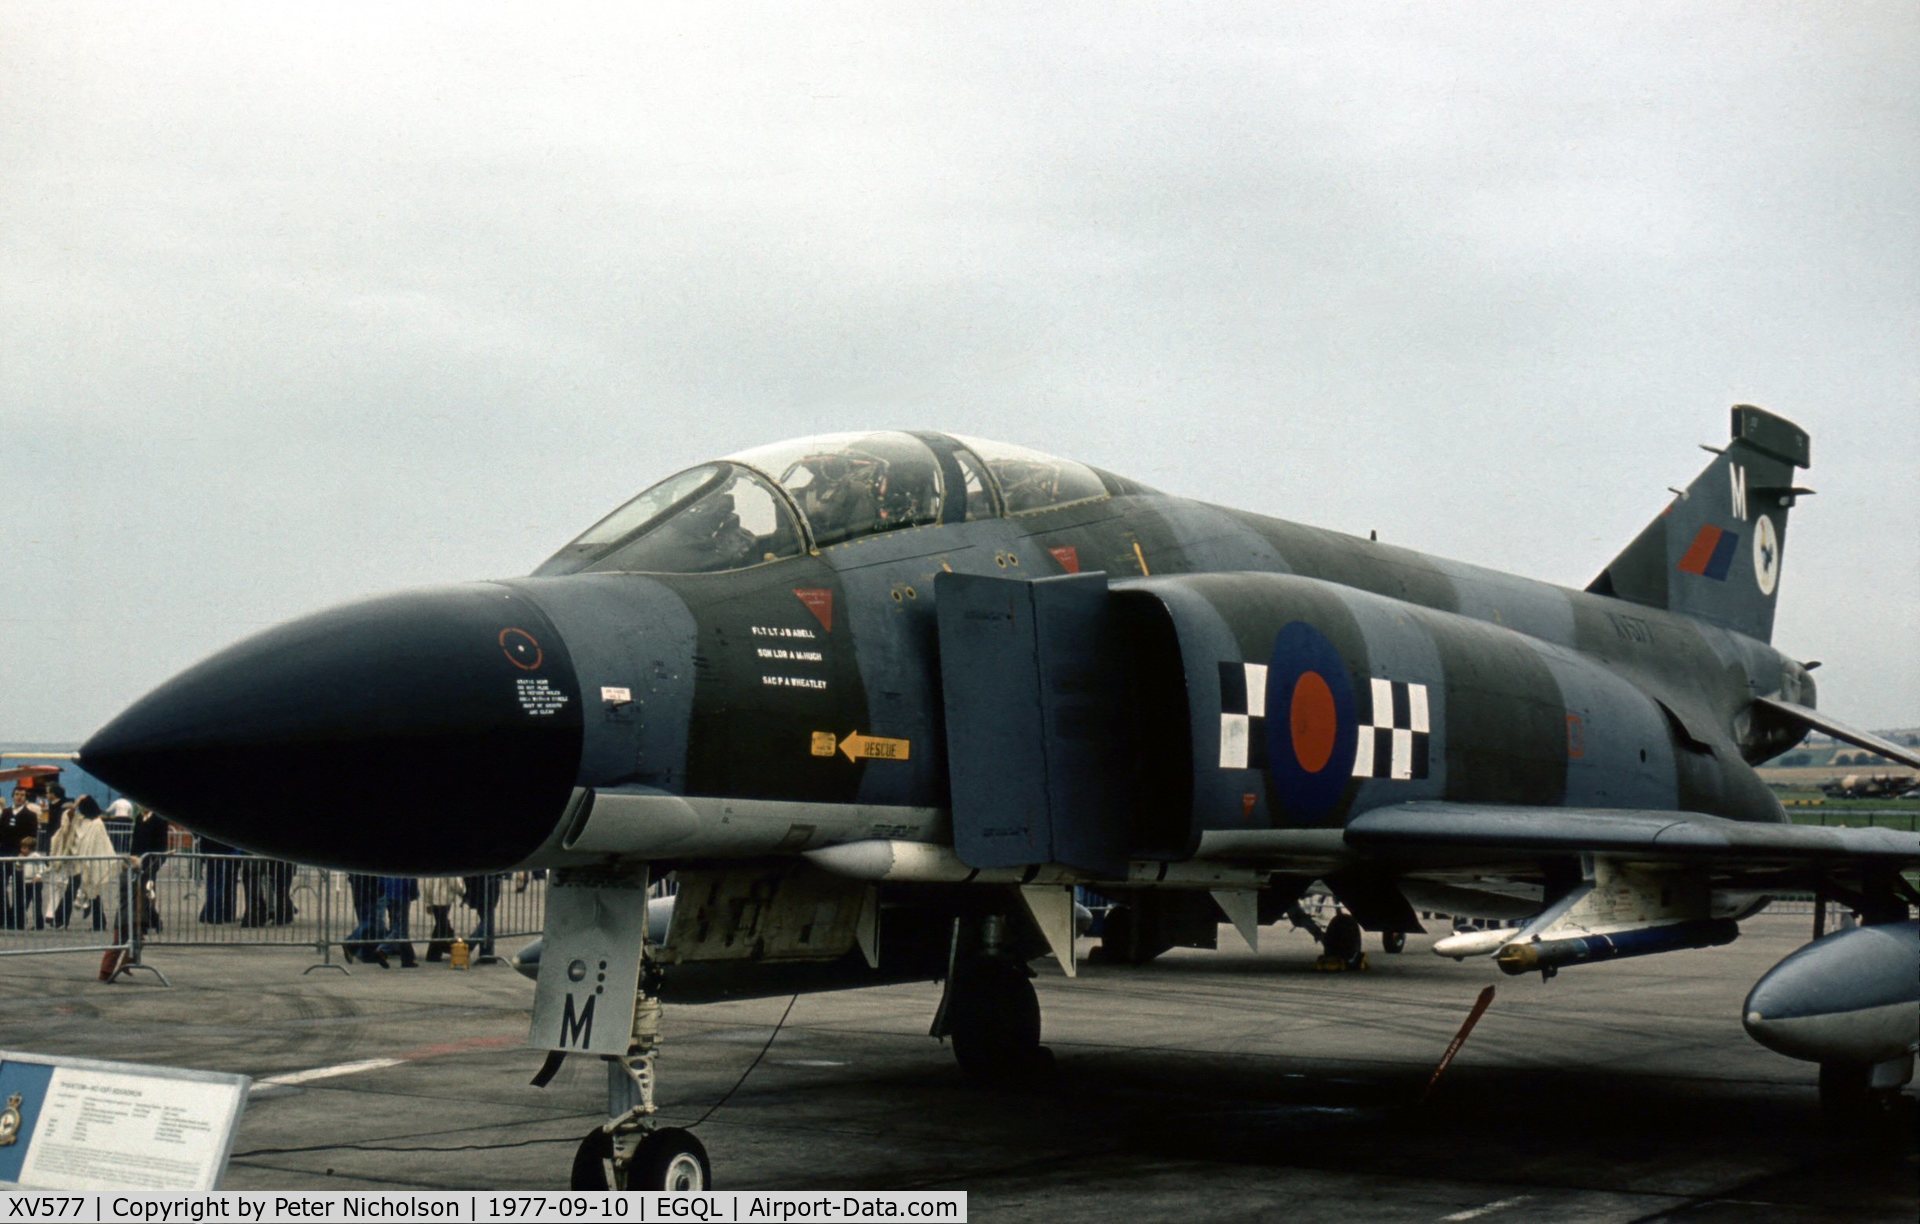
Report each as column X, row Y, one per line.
column 465, row 1045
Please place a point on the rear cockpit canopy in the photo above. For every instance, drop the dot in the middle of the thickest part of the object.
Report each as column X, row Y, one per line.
column 782, row 500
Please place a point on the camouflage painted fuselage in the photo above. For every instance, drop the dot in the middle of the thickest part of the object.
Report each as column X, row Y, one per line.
column 1093, row 683
column 1535, row 694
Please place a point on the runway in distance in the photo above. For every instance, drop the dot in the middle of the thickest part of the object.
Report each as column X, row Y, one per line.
column 879, row 701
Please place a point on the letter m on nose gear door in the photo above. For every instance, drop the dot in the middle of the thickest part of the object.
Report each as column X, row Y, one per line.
column 1027, row 675
column 590, row 963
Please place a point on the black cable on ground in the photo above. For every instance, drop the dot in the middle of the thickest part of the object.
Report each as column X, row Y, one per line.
column 520, row 1143
column 778, row 1025
column 384, row 1147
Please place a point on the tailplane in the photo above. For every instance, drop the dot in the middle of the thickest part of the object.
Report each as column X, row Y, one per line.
column 1715, row 551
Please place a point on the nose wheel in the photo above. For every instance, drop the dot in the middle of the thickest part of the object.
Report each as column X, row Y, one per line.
column 666, row 1159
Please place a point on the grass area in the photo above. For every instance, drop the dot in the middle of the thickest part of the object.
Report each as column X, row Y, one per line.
column 1792, row 796
column 1858, row 816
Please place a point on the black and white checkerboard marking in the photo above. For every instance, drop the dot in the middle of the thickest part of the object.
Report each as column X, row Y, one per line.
column 1243, row 716
column 1393, row 738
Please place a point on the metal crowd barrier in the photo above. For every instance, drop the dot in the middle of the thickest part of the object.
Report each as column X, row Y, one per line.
column 189, row 899
column 194, row 899
column 73, row 903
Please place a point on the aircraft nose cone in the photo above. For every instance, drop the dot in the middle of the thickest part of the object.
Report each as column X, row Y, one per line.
column 432, row 730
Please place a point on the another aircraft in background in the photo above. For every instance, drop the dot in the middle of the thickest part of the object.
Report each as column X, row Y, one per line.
column 1870, row 786
column 880, row 700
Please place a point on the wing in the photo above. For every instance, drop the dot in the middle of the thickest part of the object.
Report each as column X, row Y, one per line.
column 1807, row 716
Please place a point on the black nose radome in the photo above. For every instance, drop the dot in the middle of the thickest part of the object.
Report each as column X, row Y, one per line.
column 432, row 730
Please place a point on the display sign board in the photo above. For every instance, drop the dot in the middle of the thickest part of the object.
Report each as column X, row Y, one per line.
column 79, row 1124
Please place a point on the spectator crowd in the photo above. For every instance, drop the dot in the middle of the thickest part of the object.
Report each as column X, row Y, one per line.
column 59, row 865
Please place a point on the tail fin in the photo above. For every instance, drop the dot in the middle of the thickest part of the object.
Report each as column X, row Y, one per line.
column 1715, row 551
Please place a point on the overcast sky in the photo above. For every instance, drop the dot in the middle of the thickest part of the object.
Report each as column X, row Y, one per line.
column 298, row 304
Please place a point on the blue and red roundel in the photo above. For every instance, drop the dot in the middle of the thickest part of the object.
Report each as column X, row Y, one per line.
column 1311, row 725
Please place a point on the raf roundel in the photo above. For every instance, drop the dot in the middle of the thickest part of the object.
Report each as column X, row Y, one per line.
column 1311, row 724
column 522, row 649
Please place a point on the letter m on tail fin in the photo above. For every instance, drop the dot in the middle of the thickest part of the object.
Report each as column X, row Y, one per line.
column 1715, row 552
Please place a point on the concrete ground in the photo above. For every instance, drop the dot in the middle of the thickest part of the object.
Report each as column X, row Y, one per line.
column 1206, row 1085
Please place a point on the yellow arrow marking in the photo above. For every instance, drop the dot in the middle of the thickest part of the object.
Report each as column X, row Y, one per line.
column 860, row 747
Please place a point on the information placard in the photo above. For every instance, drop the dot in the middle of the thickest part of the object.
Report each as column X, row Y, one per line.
column 80, row 1124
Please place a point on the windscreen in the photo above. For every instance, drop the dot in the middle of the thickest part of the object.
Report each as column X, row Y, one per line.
column 714, row 517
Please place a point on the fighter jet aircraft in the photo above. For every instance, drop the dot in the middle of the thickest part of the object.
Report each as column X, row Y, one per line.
column 878, row 701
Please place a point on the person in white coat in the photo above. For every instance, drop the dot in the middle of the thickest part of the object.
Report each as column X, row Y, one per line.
column 100, row 866
column 62, row 873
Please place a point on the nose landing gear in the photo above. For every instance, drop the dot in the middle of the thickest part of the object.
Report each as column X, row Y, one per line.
column 598, row 981
column 629, row 1152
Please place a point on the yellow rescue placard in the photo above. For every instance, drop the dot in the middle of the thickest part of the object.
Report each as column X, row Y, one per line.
column 860, row 747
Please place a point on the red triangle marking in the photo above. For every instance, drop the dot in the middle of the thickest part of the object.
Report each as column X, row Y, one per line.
column 819, row 601
column 1068, row 556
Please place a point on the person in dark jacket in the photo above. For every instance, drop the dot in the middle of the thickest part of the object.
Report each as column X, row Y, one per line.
column 220, row 877
column 280, row 875
column 149, row 844
column 257, row 885
column 397, row 895
column 483, row 894
column 16, row 822
column 369, row 920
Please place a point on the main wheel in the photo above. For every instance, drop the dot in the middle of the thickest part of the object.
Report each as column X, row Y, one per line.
column 1343, row 938
column 1850, row 1102
column 1393, row 941
column 995, row 1022
column 667, row 1159
column 1845, row 1089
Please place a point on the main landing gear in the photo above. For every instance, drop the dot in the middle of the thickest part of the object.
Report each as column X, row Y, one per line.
column 989, row 1009
column 1861, row 1097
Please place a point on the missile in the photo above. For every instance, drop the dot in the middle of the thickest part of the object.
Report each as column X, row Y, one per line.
column 1638, row 941
column 1852, row 997
column 1475, row 943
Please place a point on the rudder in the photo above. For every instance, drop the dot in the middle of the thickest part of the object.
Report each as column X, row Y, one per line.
column 1715, row 552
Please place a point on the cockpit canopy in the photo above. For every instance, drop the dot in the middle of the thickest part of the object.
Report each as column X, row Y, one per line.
column 780, row 500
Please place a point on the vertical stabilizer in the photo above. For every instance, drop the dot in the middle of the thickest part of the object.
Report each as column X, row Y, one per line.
column 1715, row 552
